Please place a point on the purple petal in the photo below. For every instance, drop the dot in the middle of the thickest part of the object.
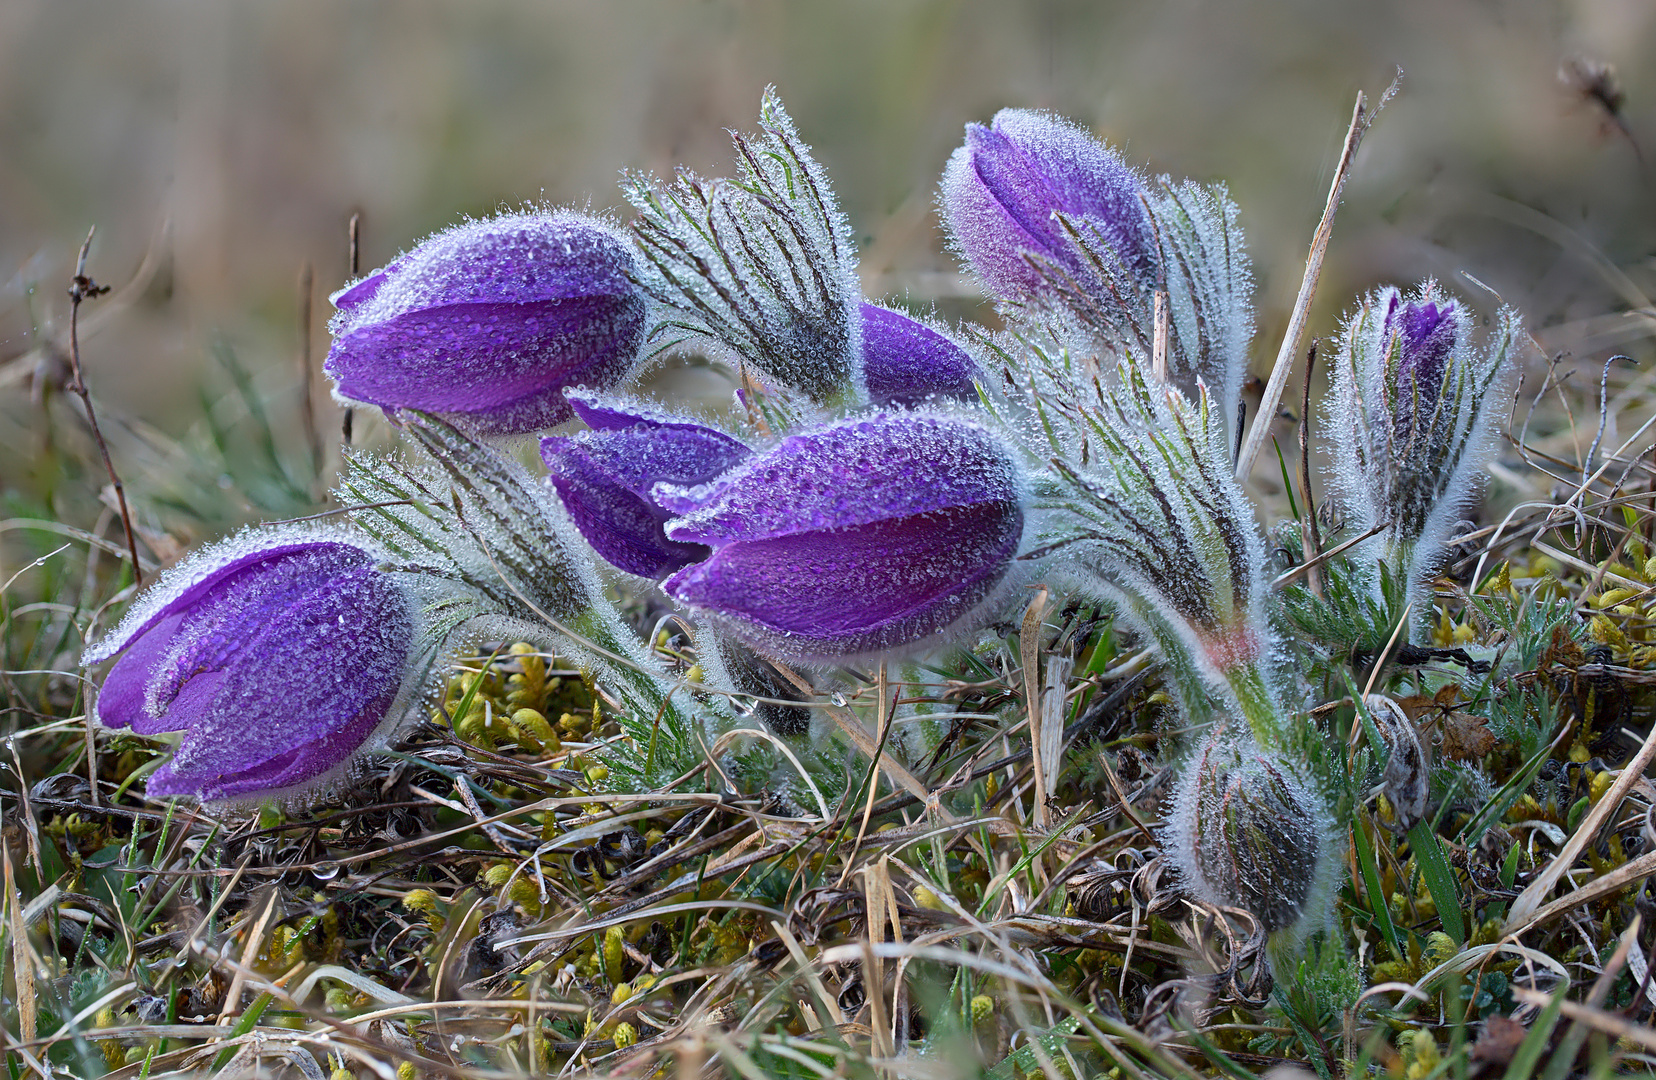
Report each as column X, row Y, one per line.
column 870, row 534
column 905, row 362
column 1001, row 188
column 856, row 472
column 503, row 365
column 835, row 593
column 320, row 674
column 605, row 478
column 1428, row 338
column 491, row 321
column 276, row 662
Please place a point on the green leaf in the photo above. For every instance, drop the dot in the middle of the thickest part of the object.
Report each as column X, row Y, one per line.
column 1440, row 879
column 1367, row 863
column 1523, row 1063
column 1023, row 1058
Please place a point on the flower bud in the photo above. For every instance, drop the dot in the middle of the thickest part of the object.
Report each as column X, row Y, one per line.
column 278, row 655
column 1411, row 421
column 489, row 321
column 1248, row 830
column 906, row 362
column 1003, row 187
column 605, row 477
column 868, row 534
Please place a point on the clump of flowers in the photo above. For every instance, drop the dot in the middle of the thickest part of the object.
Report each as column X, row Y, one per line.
column 880, row 489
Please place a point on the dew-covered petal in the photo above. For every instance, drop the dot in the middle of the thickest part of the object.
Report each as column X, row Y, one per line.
column 329, row 661
column 1427, row 331
column 906, row 362
column 835, row 593
column 1001, row 189
column 502, row 365
column 605, row 478
column 272, row 645
column 856, row 472
column 491, row 320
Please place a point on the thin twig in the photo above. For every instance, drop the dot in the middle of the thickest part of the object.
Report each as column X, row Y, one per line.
column 1361, row 119
column 307, row 393
column 354, row 230
column 84, row 288
column 1309, row 537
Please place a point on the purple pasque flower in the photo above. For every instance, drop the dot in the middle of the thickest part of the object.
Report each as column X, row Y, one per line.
column 606, row 477
column 872, row 533
column 907, row 362
column 278, row 654
column 1412, row 416
column 1002, row 188
column 489, row 321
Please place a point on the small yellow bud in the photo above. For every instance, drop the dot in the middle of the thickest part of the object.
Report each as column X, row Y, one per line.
column 928, row 899
column 1440, row 948
column 422, row 900
column 498, row 874
column 983, row 1007
column 1599, row 784
column 614, row 952
column 405, row 1071
column 625, row 1036
column 597, row 774
column 643, row 983
column 694, row 675
column 621, row 993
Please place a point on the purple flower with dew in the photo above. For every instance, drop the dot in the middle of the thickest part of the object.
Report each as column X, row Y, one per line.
column 605, row 478
column 1002, row 189
column 1411, row 416
column 489, row 321
column 1049, row 216
column 874, row 533
column 906, row 362
column 279, row 655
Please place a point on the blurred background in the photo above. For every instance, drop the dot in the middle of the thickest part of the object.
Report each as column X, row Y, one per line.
column 220, row 147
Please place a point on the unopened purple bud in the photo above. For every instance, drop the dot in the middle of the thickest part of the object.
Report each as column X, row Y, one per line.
column 906, row 362
column 277, row 655
column 1426, row 335
column 873, row 533
column 489, row 321
column 1248, row 831
column 1412, row 414
column 1002, row 188
column 605, row 478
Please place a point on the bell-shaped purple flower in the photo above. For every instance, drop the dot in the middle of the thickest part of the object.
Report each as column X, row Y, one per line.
column 605, row 478
column 277, row 654
column 873, row 533
column 1001, row 189
column 906, row 362
column 489, row 321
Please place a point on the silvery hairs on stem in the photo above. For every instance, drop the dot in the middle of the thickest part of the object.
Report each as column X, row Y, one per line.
column 1200, row 264
column 1139, row 500
column 502, row 556
column 763, row 265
